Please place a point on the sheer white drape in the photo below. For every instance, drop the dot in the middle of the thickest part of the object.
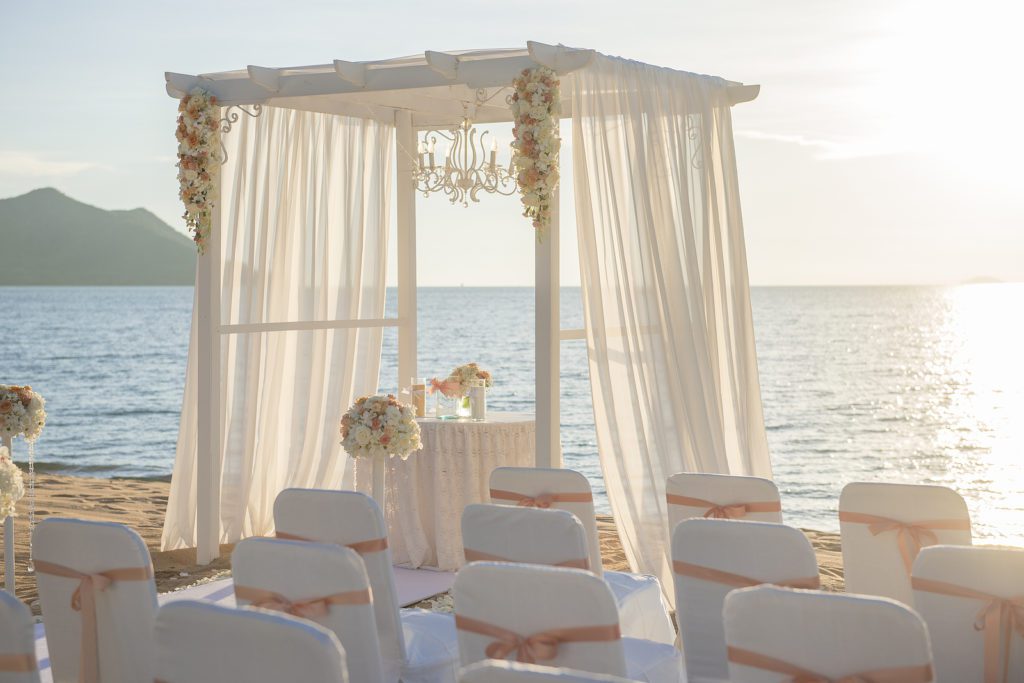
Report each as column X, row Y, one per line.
column 666, row 298
column 304, row 211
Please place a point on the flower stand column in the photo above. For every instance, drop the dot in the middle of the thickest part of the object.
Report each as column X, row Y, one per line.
column 9, row 580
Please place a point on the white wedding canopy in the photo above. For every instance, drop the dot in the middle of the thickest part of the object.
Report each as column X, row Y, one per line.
column 289, row 308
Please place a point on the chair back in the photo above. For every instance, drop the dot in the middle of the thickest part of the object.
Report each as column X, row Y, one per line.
column 712, row 557
column 350, row 519
column 201, row 642
column 17, row 642
column 553, row 489
column 884, row 525
column 952, row 585
column 323, row 583
column 753, row 499
column 104, row 570
column 499, row 533
column 499, row 606
column 499, row 671
column 776, row 634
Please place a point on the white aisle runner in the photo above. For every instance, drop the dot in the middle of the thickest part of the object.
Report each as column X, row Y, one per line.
column 413, row 585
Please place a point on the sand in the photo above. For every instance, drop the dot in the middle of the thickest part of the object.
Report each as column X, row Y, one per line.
column 140, row 504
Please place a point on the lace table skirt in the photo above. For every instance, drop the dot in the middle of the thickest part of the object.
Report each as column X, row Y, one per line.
column 427, row 492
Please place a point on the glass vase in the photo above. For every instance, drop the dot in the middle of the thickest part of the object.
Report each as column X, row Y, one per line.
column 444, row 406
column 463, row 407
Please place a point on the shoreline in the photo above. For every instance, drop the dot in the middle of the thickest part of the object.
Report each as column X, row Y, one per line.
column 140, row 504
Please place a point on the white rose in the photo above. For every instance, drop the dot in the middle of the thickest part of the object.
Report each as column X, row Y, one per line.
column 362, row 434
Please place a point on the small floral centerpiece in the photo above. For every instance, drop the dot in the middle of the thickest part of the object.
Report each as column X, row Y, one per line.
column 12, row 487
column 380, row 425
column 198, row 137
column 22, row 412
column 457, row 383
column 535, row 110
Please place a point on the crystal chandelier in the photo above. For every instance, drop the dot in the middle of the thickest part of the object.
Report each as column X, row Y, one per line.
column 467, row 167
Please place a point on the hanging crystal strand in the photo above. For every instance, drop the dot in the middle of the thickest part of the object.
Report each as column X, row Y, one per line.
column 31, row 501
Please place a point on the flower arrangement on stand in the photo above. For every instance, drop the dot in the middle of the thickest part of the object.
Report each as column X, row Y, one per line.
column 377, row 427
column 22, row 413
column 198, row 135
column 535, row 110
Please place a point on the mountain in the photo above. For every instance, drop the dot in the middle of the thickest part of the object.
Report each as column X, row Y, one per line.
column 48, row 238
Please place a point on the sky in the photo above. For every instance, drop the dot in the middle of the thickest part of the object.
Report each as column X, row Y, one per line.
column 886, row 146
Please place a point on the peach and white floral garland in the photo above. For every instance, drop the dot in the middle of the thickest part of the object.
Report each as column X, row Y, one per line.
column 199, row 161
column 12, row 486
column 535, row 110
column 380, row 425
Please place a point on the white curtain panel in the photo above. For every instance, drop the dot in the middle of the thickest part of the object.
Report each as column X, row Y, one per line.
column 304, row 212
column 666, row 298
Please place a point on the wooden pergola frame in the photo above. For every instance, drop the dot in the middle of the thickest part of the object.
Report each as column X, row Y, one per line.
column 413, row 93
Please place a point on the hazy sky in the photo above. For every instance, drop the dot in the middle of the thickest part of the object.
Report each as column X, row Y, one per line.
column 887, row 145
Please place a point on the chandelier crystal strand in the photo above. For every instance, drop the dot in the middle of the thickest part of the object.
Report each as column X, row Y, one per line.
column 468, row 167
column 31, row 501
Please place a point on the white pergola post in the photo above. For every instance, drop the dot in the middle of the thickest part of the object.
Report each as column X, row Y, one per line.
column 208, row 423
column 549, row 444
column 405, row 195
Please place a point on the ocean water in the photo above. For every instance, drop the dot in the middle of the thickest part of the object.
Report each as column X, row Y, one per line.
column 915, row 384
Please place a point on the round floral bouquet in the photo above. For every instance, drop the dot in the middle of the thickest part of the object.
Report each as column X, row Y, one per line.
column 535, row 110
column 198, row 135
column 22, row 412
column 380, row 425
column 12, row 488
column 456, row 384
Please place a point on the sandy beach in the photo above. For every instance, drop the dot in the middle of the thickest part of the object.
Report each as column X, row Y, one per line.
column 141, row 503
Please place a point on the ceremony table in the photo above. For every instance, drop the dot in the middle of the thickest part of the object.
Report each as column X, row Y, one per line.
column 427, row 492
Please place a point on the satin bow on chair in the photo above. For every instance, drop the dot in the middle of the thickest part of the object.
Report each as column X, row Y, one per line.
column 541, row 500
column 536, row 647
column 999, row 618
column 897, row 674
column 911, row 536
column 310, row 608
column 84, row 600
column 724, row 510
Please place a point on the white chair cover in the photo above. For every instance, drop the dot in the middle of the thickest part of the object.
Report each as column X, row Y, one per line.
column 264, row 568
column 689, row 494
column 952, row 585
column 499, row 671
column 124, row 611
column 416, row 646
column 642, row 609
column 524, row 601
column 829, row 635
column 17, row 642
column 876, row 563
column 503, row 534
column 712, row 557
column 200, row 642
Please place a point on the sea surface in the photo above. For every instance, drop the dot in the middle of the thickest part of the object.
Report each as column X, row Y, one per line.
column 914, row 384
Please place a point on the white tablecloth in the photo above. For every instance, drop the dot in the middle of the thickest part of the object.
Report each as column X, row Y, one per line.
column 427, row 492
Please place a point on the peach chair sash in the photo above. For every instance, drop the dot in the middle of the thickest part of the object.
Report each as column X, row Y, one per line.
column 999, row 618
column 374, row 545
column 18, row 663
column 543, row 500
column 911, row 536
column 536, row 647
column 84, row 600
column 477, row 556
column 696, row 571
column 725, row 511
column 897, row 674
column 310, row 608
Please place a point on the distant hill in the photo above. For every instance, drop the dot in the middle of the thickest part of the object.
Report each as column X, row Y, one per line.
column 47, row 238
